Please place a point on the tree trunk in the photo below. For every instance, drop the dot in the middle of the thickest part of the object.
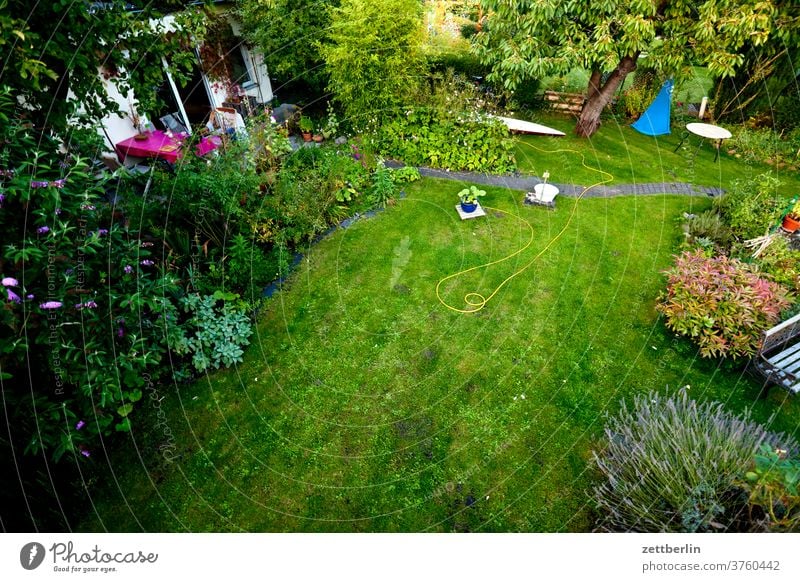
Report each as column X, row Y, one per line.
column 597, row 96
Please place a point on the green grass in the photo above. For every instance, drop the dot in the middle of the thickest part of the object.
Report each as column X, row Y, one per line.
column 364, row 404
column 634, row 158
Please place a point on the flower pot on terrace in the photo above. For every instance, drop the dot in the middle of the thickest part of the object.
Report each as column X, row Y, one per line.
column 791, row 223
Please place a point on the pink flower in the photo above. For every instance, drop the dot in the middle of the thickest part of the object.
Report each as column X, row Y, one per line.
column 13, row 296
column 80, row 425
column 51, row 305
column 10, row 282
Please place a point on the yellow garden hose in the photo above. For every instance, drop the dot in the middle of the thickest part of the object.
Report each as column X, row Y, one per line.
column 477, row 301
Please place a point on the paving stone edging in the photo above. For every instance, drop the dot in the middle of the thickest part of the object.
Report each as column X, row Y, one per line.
column 526, row 184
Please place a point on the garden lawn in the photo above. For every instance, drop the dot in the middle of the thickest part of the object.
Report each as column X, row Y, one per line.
column 364, row 404
column 632, row 157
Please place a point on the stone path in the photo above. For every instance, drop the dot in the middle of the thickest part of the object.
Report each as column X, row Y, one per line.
column 526, row 184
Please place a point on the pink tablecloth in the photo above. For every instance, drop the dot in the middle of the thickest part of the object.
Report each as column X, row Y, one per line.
column 159, row 145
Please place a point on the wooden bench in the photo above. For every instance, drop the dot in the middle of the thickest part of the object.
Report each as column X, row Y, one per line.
column 778, row 359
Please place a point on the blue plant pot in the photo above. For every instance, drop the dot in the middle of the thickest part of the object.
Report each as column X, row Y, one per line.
column 469, row 206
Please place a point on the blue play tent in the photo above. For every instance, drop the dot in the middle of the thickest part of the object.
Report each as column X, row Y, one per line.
column 655, row 121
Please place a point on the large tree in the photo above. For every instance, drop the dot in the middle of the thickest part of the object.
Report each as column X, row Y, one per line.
column 524, row 39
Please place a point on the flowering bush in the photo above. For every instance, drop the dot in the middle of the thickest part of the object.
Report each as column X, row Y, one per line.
column 672, row 465
column 720, row 303
column 87, row 306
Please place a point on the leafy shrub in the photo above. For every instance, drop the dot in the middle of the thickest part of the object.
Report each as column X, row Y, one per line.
column 708, row 225
column 774, row 490
column 765, row 145
column 469, row 29
column 781, row 264
column 460, row 62
column 752, row 207
column 635, row 100
column 528, row 95
column 247, row 268
column 673, row 465
column 383, row 188
column 720, row 303
column 423, row 138
column 214, row 333
column 405, row 175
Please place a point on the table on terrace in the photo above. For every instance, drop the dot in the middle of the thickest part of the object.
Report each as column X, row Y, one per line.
column 158, row 144
column 708, row 131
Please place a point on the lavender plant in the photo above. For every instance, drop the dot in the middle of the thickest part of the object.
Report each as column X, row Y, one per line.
column 671, row 464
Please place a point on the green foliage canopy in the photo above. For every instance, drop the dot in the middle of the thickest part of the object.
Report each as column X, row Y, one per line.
column 51, row 48
column 289, row 34
column 525, row 39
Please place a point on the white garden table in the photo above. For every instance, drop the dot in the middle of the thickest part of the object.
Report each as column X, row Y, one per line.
column 708, row 131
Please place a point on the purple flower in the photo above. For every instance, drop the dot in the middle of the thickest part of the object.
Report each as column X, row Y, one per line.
column 120, row 332
column 102, row 231
column 40, row 184
column 2, row 199
column 13, row 296
column 88, row 305
column 147, row 244
column 147, row 263
column 87, row 206
column 80, row 425
column 68, row 271
column 51, row 305
column 59, row 183
column 6, row 173
column 58, row 212
column 85, row 452
column 43, row 229
column 128, row 269
column 63, row 164
column 29, row 297
column 10, row 282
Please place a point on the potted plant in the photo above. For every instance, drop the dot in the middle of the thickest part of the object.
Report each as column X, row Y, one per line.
column 306, row 127
column 791, row 222
column 469, row 198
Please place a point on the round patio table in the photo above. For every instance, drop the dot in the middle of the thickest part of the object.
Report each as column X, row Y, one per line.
column 708, row 131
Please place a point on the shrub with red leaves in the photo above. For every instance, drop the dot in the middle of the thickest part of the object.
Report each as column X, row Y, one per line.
column 721, row 304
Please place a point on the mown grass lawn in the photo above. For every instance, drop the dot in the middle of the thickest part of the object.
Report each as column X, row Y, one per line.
column 632, row 157
column 364, row 404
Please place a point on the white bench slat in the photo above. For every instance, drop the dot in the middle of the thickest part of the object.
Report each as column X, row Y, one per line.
column 786, row 357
